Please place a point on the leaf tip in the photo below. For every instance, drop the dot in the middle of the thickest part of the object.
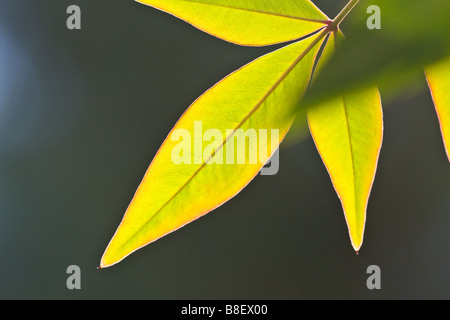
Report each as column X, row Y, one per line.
column 357, row 246
column 105, row 264
column 104, row 261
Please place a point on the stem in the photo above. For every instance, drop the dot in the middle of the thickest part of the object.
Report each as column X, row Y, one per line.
column 341, row 16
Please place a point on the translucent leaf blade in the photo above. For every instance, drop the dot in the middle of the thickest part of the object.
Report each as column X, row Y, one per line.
column 438, row 77
column 247, row 22
column 259, row 96
column 348, row 133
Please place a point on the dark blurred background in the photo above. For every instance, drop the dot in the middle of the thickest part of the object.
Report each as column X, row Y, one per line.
column 83, row 112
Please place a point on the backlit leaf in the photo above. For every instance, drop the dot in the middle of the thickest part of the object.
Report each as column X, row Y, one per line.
column 247, row 22
column 438, row 77
column 348, row 132
column 259, row 96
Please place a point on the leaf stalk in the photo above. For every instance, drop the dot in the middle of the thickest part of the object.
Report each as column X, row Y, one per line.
column 334, row 24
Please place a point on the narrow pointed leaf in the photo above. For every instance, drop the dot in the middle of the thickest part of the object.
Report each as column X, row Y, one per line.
column 247, row 22
column 259, row 96
column 438, row 77
column 348, row 133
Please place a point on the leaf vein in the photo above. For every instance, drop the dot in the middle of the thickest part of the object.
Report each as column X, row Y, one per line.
column 351, row 148
column 261, row 12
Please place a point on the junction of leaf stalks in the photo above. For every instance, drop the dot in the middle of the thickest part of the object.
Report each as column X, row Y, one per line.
column 331, row 26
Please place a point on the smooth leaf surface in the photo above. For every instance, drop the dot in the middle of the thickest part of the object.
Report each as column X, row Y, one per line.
column 348, row 133
column 413, row 34
column 247, row 22
column 438, row 77
column 258, row 96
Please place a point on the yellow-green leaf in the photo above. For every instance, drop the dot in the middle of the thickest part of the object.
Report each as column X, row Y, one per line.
column 247, row 22
column 258, row 97
column 348, row 133
column 438, row 77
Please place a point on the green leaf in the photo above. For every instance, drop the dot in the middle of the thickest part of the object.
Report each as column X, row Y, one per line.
column 259, row 96
column 348, row 133
column 247, row 22
column 413, row 34
column 438, row 76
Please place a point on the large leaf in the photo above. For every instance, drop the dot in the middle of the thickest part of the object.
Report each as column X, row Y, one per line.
column 413, row 34
column 348, row 133
column 438, row 77
column 247, row 22
column 258, row 96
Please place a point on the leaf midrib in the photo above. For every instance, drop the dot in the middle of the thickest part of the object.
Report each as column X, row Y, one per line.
column 351, row 155
column 350, row 143
column 261, row 12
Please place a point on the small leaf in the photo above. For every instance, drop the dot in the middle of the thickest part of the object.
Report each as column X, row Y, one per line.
column 348, row 133
column 247, row 22
column 438, row 77
column 259, row 96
